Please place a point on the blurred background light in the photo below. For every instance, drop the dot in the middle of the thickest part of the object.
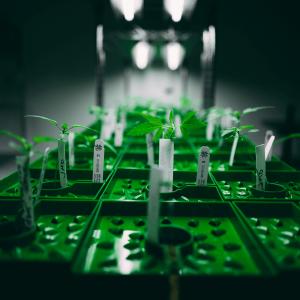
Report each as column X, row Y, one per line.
column 179, row 8
column 143, row 54
column 174, row 54
column 127, row 7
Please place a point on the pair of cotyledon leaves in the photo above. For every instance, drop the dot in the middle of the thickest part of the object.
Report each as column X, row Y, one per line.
column 189, row 122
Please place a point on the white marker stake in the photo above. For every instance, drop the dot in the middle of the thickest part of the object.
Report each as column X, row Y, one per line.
column 166, row 162
column 210, row 130
column 98, row 161
column 37, row 197
column 235, row 141
column 269, row 136
column 26, row 196
column 177, row 122
column 150, row 152
column 203, row 163
column 260, row 167
column 62, row 163
column 71, row 150
column 153, row 205
column 119, row 135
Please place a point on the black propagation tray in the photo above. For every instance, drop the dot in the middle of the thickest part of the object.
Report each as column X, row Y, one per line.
column 132, row 185
column 236, row 185
column 202, row 246
column 80, row 185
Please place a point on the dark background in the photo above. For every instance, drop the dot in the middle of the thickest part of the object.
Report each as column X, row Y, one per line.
column 47, row 66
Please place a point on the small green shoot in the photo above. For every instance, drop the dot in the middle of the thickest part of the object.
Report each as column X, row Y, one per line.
column 237, row 115
column 189, row 122
column 26, row 147
column 291, row 136
column 64, row 128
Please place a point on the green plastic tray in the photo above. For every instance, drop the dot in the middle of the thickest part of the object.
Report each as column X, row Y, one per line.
column 80, row 185
column 51, row 247
column 197, row 241
column 277, row 227
column 132, row 184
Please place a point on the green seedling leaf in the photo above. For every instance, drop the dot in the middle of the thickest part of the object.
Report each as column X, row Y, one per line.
column 17, row 147
column 40, row 139
column 188, row 117
column 184, row 132
column 169, row 133
column 244, row 127
column 250, row 109
column 171, row 117
column 153, row 120
column 193, row 124
column 64, row 126
column 237, row 113
column 143, row 129
column 227, row 131
column 291, row 136
column 19, row 138
column 82, row 146
column 80, row 126
column 110, row 147
column 158, row 134
column 250, row 131
column 53, row 121
column 31, row 153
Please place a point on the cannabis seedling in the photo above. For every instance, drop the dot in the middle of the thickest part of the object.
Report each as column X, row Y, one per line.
column 189, row 122
column 237, row 115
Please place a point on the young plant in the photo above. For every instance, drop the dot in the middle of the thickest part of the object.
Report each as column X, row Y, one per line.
column 64, row 128
column 237, row 115
column 236, row 133
column 189, row 122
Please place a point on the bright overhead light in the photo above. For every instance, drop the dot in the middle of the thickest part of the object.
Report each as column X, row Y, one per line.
column 175, row 54
column 143, row 54
column 177, row 8
column 127, row 7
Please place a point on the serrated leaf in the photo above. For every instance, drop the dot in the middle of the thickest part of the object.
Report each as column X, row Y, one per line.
column 143, row 129
column 17, row 147
column 169, row 133
column 227, row 131
column 291, row 136
column 250, row 109
column 153, row 120
column 171, row 117
column 158, row 134
column 251, row 131
column 244, row 127
column 80, row 126
column 184, row 132
column 193, row 124
column 188, row 117
column 40, row 139
column 53, row 121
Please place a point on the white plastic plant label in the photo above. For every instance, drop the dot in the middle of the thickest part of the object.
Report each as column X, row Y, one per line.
column 211, row 121
column 166, row 162
column 233, row 149
column 153, row 205
column 260, row 167
column 62, row 163
column 26, row 195
column 226, row 120
column 118, row 135
column 98, row 161
column 150, row 151
column 71, row 149
column 177, row 121
column 37, row 197
column 203, row 164
column 268, row 137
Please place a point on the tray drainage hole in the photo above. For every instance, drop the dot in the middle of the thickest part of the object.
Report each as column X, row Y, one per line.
column 171, row 235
